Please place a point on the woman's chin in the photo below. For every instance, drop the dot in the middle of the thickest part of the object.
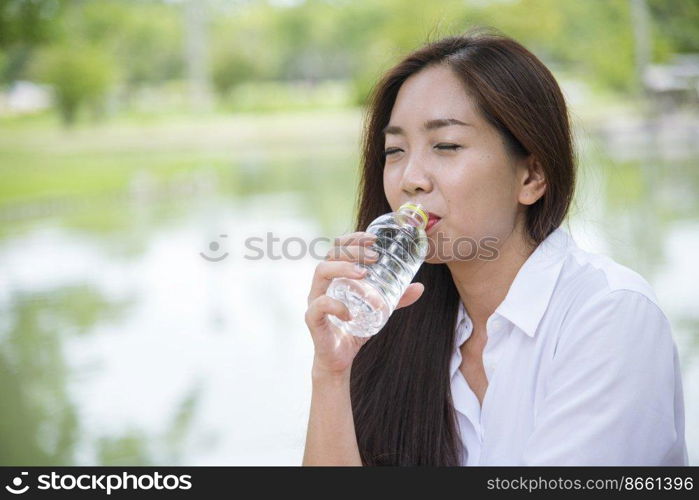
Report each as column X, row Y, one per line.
column 435, row 257
column 439, row 252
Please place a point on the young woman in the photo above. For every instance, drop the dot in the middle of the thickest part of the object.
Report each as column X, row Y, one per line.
column 544, row 354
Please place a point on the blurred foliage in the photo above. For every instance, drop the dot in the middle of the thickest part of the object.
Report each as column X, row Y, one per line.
column 135, row 44
column 79, row 75
column 676, row 23
column 29, row 23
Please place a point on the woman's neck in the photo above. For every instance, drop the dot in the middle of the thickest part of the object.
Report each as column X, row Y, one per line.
column 483, row 284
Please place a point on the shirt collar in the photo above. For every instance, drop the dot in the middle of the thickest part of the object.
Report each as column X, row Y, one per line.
column 530, row 292
column 463, row 332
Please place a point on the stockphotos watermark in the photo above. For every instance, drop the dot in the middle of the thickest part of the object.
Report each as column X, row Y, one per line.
column 296, row 248
column 100, row 482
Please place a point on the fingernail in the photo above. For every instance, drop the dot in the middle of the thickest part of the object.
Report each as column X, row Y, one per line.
column 359, row 269
column 372, row 253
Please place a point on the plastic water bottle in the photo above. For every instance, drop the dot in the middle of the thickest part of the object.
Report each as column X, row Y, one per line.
column 402, row 245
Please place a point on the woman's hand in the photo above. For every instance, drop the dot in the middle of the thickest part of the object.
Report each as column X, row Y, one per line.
column 335, row 350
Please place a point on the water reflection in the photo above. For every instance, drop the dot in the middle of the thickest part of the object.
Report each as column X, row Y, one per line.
column 40, row 421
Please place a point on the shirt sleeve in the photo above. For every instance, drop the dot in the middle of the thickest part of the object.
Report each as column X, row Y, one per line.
column 614, row 394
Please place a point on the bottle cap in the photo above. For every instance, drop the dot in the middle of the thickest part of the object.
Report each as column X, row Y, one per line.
column 417, row 208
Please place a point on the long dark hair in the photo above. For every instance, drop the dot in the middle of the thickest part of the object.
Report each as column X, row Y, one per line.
column 400, row 385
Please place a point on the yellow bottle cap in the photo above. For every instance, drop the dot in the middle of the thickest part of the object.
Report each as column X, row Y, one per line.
column 417, row 208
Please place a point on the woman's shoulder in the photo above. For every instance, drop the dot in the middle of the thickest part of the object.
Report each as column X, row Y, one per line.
column 589, row 277
column 600, row 297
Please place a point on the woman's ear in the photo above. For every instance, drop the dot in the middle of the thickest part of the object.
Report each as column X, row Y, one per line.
column 532, row 180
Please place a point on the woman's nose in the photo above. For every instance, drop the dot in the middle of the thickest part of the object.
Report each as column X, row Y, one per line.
column 415, row 178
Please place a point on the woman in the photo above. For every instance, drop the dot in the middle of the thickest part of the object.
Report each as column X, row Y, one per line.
column 541, row 354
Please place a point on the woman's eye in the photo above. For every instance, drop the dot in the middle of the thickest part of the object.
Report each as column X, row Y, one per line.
column 449, row 147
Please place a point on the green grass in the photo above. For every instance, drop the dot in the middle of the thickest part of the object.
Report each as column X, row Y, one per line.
column 39, row 160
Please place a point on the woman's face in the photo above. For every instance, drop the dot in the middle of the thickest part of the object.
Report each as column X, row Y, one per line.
column 459, row 172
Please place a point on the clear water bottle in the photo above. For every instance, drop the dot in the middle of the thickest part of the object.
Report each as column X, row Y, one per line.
column 402, row 245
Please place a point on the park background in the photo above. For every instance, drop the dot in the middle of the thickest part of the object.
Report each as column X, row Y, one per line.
column 135, row 134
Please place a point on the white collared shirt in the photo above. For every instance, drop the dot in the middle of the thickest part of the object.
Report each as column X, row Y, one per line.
column 582, row 368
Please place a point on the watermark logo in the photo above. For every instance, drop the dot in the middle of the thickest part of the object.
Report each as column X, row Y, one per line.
column 215, row 246
column 16, row 488
column 107, row 483
column 273, row 247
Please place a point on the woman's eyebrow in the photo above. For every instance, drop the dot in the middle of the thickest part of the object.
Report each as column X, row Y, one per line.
column 428, row 125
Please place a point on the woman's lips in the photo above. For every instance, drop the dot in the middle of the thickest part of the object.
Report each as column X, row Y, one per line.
column 433, row 219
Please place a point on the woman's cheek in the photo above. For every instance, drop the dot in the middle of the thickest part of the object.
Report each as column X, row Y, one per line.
column 391, row 186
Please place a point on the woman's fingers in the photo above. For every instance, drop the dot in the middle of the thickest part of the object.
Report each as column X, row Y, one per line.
column 412, row 293
column 340, row 261
column 326, row 271
column 358, row 238
column 320, row 307
column 353, row 253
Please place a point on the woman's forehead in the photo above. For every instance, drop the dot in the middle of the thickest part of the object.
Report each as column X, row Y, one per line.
column 433, row 93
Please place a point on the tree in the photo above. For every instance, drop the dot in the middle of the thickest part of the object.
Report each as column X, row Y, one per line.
column 80, row 75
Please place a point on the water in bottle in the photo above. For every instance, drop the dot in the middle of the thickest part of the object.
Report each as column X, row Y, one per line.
column 402, row 245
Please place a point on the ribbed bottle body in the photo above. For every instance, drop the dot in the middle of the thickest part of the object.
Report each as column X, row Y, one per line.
column 402, row 245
